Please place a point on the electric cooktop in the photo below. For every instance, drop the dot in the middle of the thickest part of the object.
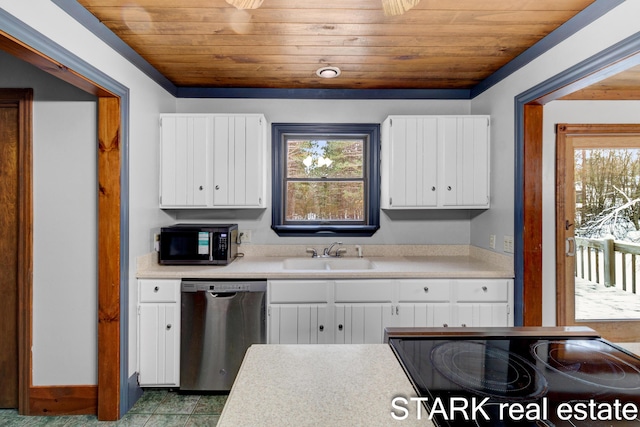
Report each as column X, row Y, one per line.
column 518, row 377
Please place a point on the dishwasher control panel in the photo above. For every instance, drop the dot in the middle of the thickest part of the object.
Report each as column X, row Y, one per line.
column 223, row 286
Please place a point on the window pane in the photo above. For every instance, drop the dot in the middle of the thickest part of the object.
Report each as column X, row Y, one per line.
column 324, row 158
column 325, row 201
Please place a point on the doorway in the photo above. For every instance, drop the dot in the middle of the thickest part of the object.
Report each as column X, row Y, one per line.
column 598, row 228
column 15, row 244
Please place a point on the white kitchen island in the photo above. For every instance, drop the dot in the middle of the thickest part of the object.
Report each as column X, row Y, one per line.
column 319, row 385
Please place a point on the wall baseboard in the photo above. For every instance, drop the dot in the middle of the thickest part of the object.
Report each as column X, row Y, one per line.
column 63, row 400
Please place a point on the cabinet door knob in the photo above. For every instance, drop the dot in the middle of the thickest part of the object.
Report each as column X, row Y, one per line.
column 449, row 188
column 156, row 289
column 217, row 187
column 445, row 325
column 321, row 328
column 340, row 327
column 464, row 325
column 201, row 188
column 169, row 326
column 426, row 289
column 433, row 188
column 484, row 288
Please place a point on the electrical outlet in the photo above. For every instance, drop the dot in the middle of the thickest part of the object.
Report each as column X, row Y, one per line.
column 245, row 236
column 508, row 244
column 492, row 241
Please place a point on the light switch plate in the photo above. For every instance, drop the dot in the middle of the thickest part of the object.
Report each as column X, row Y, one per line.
column 492, row 241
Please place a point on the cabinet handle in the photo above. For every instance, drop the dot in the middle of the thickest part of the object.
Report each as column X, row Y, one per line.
column 340, row 327
column 484, row 288
column 464, row 325
column 445, row 325
column 449, row 188
column 156, row 289
column 397, row 310
column 169, row 326
column 426, row 289
column 321, row 328
column 201, row 188
column 217, row 187
column 433, row 188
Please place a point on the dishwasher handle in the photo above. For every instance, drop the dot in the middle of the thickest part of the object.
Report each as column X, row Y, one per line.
column 222, row 295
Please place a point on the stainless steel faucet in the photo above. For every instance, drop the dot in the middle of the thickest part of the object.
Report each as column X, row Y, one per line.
column 327, row 251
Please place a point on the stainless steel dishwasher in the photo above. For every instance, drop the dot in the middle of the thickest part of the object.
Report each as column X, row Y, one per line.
column 220, row 320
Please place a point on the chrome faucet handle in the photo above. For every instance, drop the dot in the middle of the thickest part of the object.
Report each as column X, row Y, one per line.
column 313, row 252
column 327, row 251
column 339, row 251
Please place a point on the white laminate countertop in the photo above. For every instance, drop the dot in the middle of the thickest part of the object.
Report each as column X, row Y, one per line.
column 271, row 267
column 319, row 385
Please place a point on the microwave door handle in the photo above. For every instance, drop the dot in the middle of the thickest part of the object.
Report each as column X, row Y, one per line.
column 211, row 246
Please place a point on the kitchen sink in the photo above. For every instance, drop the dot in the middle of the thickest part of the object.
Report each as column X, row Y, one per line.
column 324, row 264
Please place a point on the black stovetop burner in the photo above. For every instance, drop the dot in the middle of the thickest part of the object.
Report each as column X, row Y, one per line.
column 515, row 378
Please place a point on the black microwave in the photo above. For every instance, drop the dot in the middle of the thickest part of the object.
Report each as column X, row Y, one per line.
column 198, row 244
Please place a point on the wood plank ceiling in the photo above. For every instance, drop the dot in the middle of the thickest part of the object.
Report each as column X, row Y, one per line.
column 439, row 44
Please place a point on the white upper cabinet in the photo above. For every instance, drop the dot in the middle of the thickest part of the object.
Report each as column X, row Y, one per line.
column 439, row 162
column 185, row 160
column 212, row 161
column 238, row 161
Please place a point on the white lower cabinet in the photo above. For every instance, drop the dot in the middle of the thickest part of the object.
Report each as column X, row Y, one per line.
column 357, row 311
column 159, row 333
column 299, row 312
column 298, row 324
column 362, row 323
column 484, row 302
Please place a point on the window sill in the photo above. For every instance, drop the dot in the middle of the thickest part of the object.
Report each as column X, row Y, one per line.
column 325, row 230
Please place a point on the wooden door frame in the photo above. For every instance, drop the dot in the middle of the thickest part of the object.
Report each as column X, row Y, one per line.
column 23, row 99
column 565, row 288
column 110, row 157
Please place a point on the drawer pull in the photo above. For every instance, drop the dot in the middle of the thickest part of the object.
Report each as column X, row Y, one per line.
column 484, row 288
column 169, row 327
column 156, row 289
column 426, row 289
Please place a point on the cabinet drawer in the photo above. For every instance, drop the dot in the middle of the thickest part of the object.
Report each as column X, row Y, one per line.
column 483, row 290
column 364, row 291
column 424, row 290
column 159, row 290
column 293, row 291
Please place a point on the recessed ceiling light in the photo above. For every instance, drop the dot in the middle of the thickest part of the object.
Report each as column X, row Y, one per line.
column 328, row 72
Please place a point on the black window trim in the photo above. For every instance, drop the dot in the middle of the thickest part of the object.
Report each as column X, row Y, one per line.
column 372, row 130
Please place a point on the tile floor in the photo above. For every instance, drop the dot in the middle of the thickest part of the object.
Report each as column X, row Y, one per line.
column 156, row 408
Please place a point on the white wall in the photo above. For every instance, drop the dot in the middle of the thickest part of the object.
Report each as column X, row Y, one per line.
column 65, row 221
column 575, row 112
column 498, row 101
column 419, row 227
column 147, row 100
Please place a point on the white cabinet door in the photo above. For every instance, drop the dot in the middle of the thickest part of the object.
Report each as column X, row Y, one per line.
column 362, row 323
column 424, row 315
column 159, row 344
column 239, row 155
column 185, row 161
column 410, row 162
column 465, row 161
column 482, row 314
column 299, row 324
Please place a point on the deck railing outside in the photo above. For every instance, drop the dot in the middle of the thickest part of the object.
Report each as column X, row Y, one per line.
column 607, row 261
